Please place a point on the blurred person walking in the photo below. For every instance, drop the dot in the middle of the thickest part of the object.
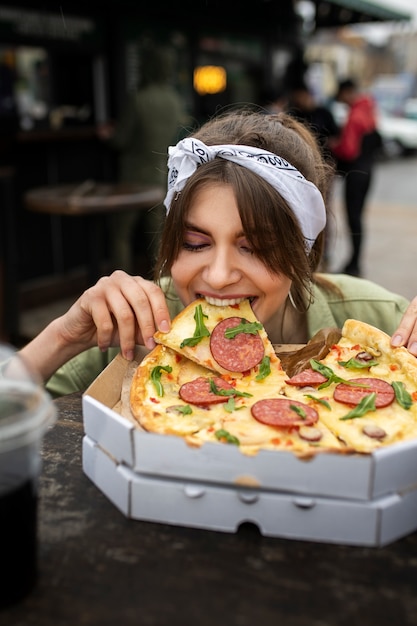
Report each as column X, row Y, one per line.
column 274, row 100
column 152, row 119
column 355, row 152
column 303, row 106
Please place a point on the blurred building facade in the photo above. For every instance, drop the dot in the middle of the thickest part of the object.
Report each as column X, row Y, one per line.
column 68, row 69
column 381, row 57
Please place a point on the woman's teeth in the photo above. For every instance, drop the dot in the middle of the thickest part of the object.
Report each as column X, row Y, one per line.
column 225, row 301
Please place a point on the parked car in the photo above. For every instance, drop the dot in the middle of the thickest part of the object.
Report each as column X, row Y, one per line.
column 399, row 134
column 410, row 108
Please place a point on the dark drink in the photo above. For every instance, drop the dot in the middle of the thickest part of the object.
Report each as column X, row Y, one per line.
column 26, row 411
column 18, row 543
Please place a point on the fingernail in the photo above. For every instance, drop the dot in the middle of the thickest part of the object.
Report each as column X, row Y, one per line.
column 129, row 354
column 150, row 343
column 164, row 326
column 396, row 341
column 413, row 348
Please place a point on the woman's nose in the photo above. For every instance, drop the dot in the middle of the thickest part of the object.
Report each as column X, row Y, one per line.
column 221, row 270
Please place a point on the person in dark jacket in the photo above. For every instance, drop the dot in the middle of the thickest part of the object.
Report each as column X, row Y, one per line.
column 303, row 106
column 355, row 151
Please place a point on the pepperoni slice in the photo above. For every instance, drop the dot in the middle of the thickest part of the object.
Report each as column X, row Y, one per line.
column 281, row 412
column 307, row 378
column 239, row 354
column 198, row 391
column 348, row 394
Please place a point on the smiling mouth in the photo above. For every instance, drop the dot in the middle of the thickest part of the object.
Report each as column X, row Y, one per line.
column 225, row 301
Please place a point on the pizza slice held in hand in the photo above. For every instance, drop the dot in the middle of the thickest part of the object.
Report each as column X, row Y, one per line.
column 226, row 339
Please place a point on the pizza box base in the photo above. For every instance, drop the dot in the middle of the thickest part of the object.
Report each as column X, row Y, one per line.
column 389, row 470
column 225, row 508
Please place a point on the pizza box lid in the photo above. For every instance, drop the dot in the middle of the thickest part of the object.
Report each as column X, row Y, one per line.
column 387, row 470
column 211, row 506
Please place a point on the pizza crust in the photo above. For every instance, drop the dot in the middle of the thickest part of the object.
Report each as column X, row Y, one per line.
column 378, row 341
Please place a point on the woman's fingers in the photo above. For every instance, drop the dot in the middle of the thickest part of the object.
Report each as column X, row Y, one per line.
column 151, row 311
column 127, row 310
column 406, row 333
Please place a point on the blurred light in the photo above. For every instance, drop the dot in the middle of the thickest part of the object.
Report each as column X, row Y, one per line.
column 209, row 79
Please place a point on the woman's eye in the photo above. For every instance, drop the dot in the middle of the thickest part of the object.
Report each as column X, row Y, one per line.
column 194, row 241
column 246, row 248
column 193, row 247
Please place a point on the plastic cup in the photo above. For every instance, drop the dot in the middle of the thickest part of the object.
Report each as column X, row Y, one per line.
column 26, row 411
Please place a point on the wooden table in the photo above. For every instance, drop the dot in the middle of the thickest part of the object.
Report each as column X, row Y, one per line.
column 91, row 199
column 99, row 568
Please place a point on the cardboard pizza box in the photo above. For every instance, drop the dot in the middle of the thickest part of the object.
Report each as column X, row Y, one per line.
column 191, row 503
column 360, row 477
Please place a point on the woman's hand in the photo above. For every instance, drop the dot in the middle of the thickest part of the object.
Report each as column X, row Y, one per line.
column 406, row 333
column 118, row 310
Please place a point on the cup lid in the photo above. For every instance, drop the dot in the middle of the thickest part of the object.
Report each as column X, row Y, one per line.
column 26, row 409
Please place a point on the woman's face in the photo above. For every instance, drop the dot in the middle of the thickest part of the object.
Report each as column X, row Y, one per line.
column 216, row 261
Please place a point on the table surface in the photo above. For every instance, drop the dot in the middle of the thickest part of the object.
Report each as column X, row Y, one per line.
column 99, row 568
column 91, row 197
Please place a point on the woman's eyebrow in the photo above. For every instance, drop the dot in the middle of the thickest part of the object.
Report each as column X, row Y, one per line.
column 194, row 228
column 198, row 229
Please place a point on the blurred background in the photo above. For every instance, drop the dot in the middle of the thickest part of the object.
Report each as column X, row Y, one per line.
column 66, row 71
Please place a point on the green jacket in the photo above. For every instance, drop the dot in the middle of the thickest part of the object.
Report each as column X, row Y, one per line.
column 361, row 299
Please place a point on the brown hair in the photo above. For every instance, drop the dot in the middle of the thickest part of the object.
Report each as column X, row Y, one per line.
column 268, row 222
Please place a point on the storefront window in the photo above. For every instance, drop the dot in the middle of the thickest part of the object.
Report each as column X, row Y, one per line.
column 240, row 62
column 33, row 87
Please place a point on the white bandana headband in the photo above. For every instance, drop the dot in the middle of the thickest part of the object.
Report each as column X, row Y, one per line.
column 302, row 195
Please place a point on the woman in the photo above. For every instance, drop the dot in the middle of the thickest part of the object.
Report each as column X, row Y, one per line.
column 246, row 218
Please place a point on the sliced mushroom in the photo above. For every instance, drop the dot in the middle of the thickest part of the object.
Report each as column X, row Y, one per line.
column 310, row 433
column 364, row 356
column 374, row 431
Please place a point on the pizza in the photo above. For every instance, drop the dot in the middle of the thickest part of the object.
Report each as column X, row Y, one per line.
column 215, row 376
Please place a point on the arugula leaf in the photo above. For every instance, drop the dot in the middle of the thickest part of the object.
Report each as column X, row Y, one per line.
column 227, row 392
column 156, row 374
column 226, row 436
column 319, row 400
column 299, row 410
column 200, row 329
column 264, row 368
column 330, row 375
column 180, row 409
column 357, row 364
column 366, row 405
column 250, row 328
column 230, row 405
column 402, row 396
